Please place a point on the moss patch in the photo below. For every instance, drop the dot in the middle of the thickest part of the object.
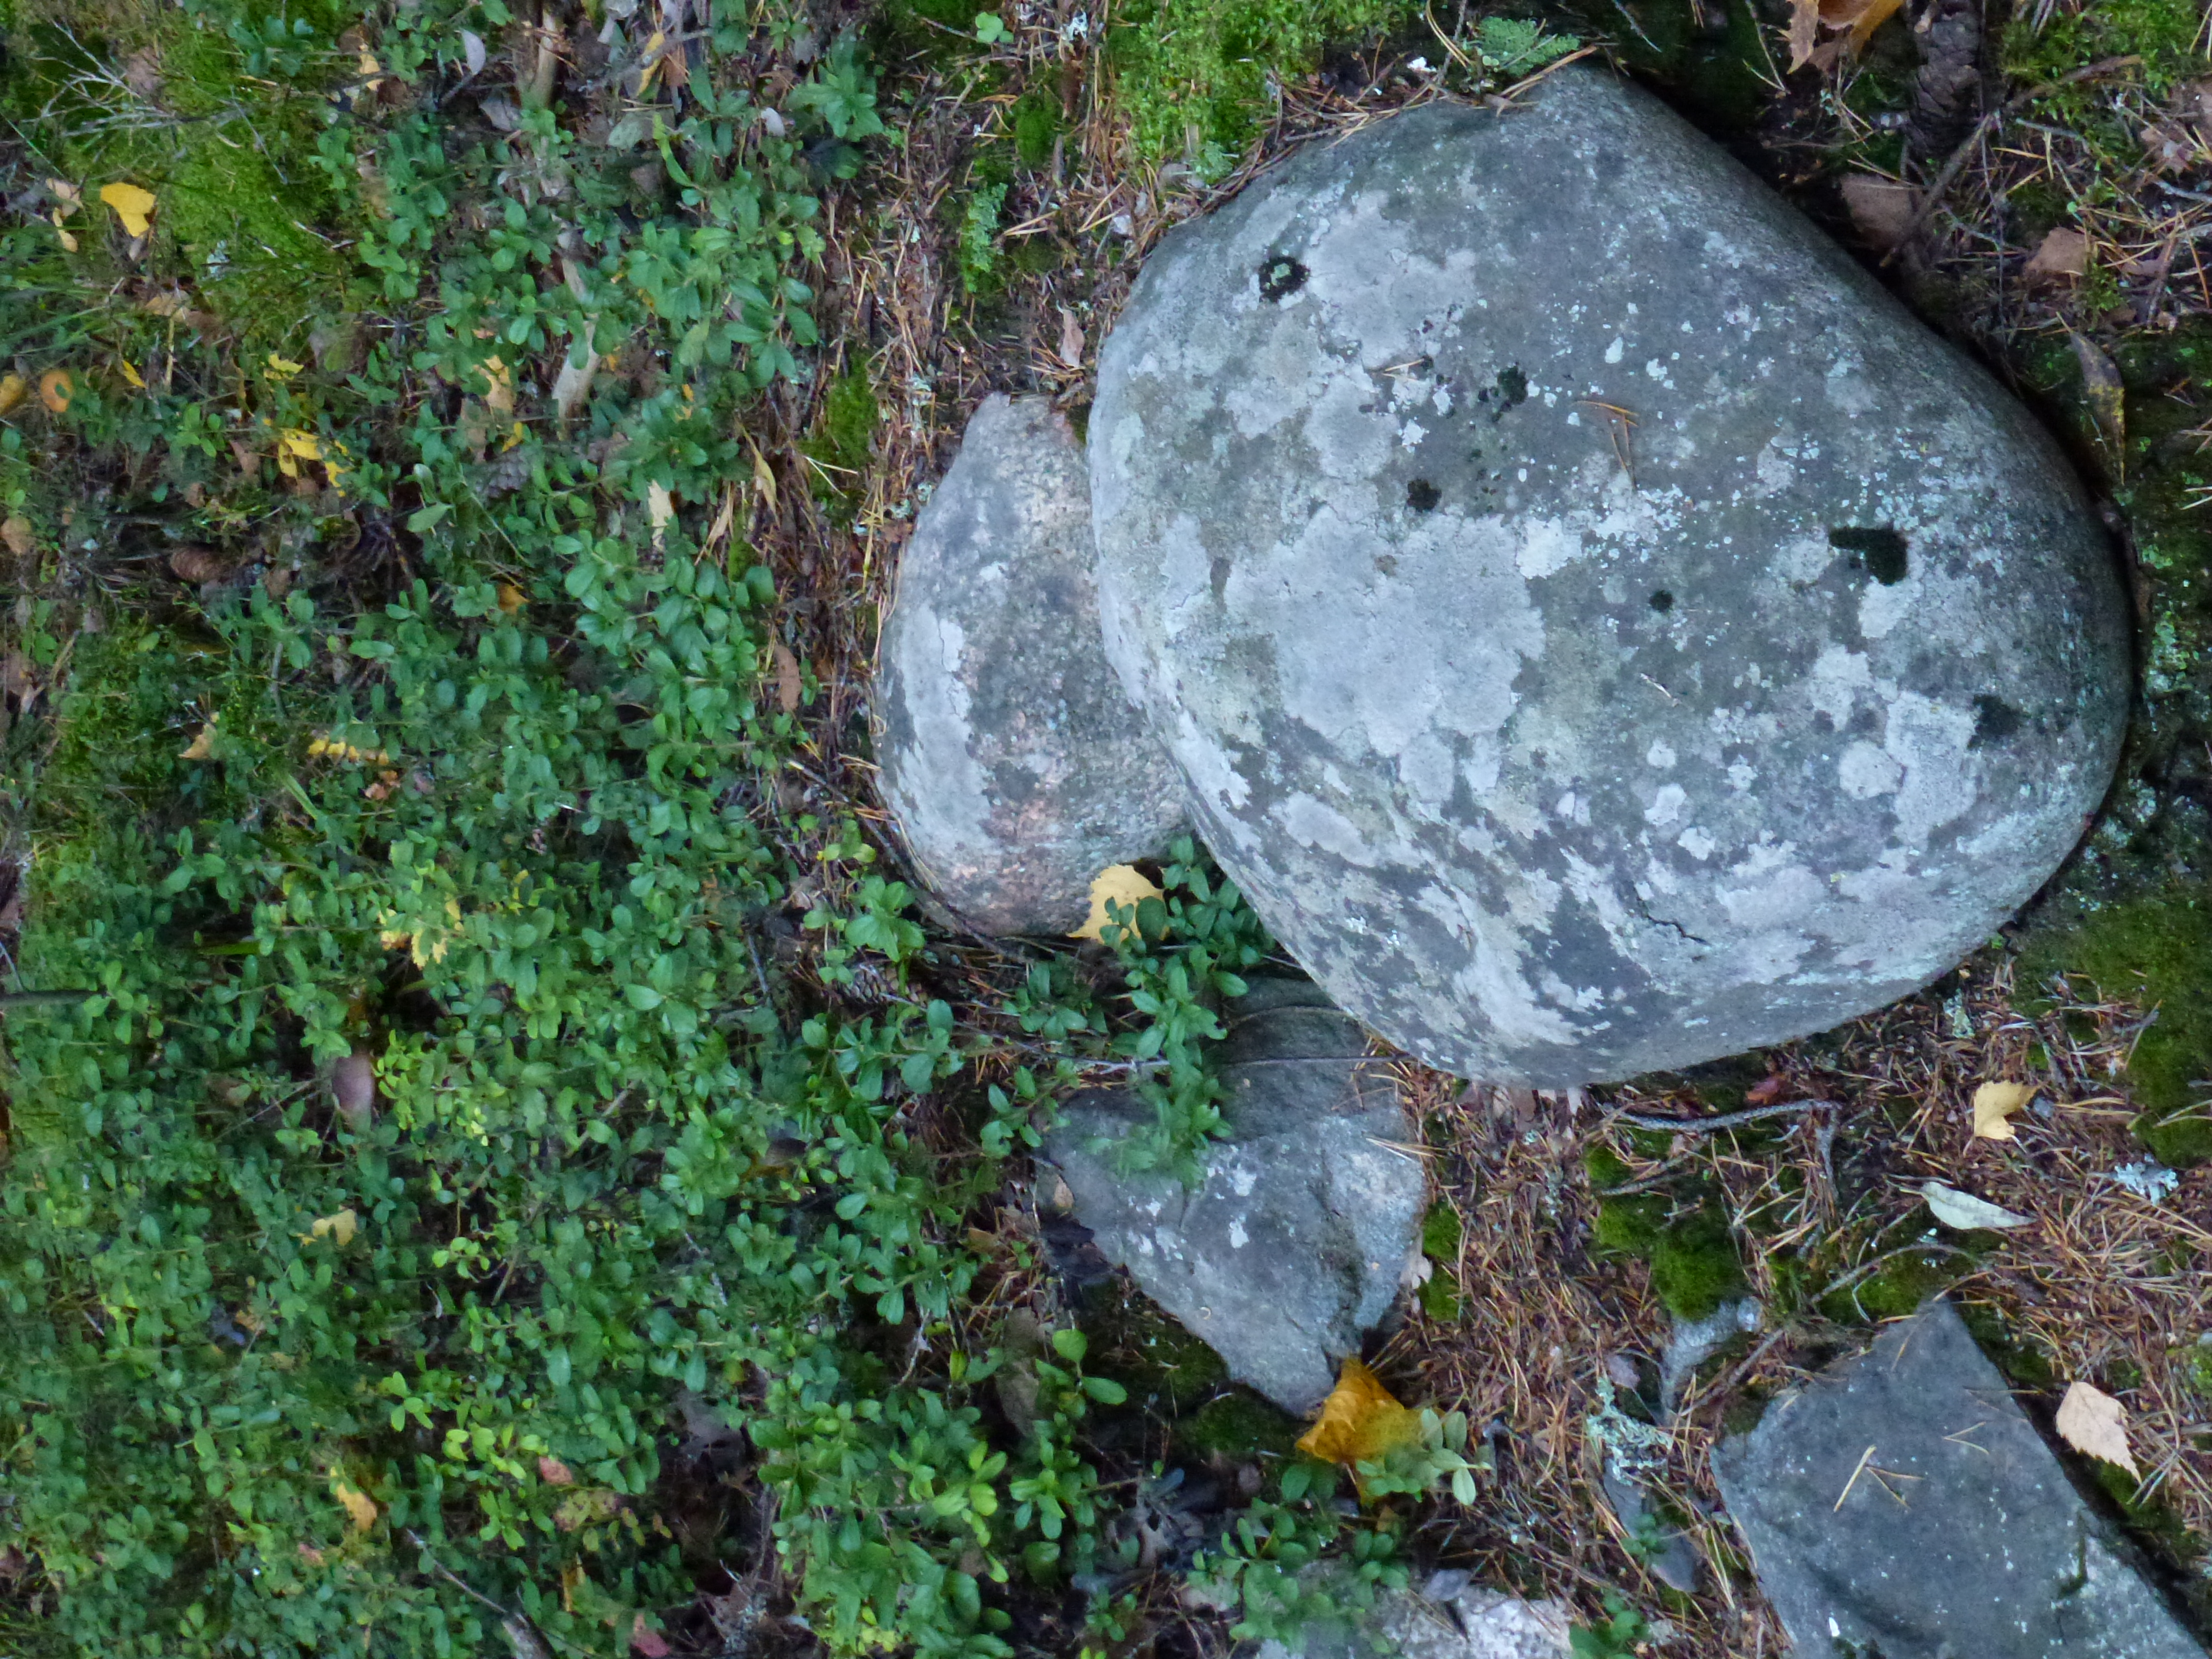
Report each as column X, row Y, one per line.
column 1166, row 1370
column 1237, row 1426
column 839, row 446
column 1694, row 1264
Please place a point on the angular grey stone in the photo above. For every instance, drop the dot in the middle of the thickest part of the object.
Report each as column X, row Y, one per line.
column 1559, row 750
column 1294, row 1244
column 1960, row 1536
column 1010, row 755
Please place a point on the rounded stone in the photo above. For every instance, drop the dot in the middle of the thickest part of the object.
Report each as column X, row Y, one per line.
column 1010, row 755
column 1598, row 626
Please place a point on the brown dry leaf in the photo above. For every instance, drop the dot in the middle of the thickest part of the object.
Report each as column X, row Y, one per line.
column 202, row 743
column 763, row 480
column 2090, row 1421
column 1359, row 1421
column 132, row 205
column 2063, row 252
column 1995, row 1102
column 788, row 683
column 2105, row 393
column 55, row 390
column 1071, row 338
column 555, row 1473
column 1117, row 884
column 1857, row 21
column 16, row 530
column 198, row 564
column 1804, row 30
column 358, row 1504
column 353, row 1082
column 1881, row 209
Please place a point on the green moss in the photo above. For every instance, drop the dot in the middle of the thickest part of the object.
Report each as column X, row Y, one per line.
column 1441, row 1233
column 2155, row 951
column 1236, row 1426
column 1717, row 75
column 1036, row 124
column 1166, row 1370
column 840, row 445
column 2041, row 46
column 1899, row 1288
column 2025, row 1366
column 1604, row 1167
column 1695, row 1267
column 1192, row 75
column 1630, row 1226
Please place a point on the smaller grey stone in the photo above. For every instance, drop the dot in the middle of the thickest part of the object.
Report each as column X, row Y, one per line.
column 1674, row 1560
column 1697, row 1341
column 1451, row 1619
column 1961, row 1535
column 1293, row 1245
column 1010, row 756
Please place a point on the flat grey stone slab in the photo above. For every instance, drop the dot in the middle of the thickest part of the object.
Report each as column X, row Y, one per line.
column 1600, row 628
column 1014, row 762
column 1294, row 1244
column 1961, row 1535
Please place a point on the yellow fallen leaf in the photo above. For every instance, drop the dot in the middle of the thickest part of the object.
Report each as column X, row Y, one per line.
column 660, row 507
column 358, row 1504
column 2090, row 1421
column 1995, row 1102
column 203, row 745
column 132, row 205
column 511, row 599
column 305, row 444
column 340, row 1227
column 282, row 368
column 68, row 241
column 14, row 388
column 653, row 44
column 131, row 374
column 764, row 479
column 1359, row 1421
column 499, row 396
column 67, row 194
column 55, row 390
column 1117, row 884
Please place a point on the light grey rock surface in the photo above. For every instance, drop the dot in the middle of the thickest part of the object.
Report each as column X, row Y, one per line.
column 1550, row 773
column 1450, row 1619
column 1294, row 1245
column 1961, row 1536
column 1010, row 755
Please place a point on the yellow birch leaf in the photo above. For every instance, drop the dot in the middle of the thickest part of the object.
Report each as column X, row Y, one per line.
column 340, row 1227
column 203, row 745
column 68, row 241
column 1995, row 1102
column 282, row 368
column 359, row 1505
column 14, row 388
column 1359, row 1421
column 2091, row 1421
column 132, row 205
column 660, row 505
column 764, row 479
column 131, row 374
column 1119, row 883
column 305, row 444
column 499, row 396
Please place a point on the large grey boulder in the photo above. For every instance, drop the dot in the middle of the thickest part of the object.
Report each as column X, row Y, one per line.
column 1010, row 755
column 1295, row 1244
column 1600, row 629
column 1902, row 1505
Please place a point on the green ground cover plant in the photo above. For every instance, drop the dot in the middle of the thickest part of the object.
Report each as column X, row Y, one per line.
column 436, row 1146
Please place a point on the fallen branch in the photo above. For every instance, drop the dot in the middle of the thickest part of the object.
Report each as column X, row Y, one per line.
column 1705, row 1125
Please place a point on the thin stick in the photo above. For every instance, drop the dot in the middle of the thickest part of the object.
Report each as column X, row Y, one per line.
column 1703, row 1125
column 1857, row 1471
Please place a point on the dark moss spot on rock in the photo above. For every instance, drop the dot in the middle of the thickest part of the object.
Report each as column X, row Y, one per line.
column 1879, row 548
column 1280, row 277
column 1238, row 1425
column 1995, row 719
column 1662, row 601
column 1422, row 496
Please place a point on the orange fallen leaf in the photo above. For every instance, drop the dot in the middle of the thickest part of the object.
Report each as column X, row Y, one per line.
column 511, row 599
column 2090, row 1421
column 1117, row 884
column 55, row 390
column 1361, row 1420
